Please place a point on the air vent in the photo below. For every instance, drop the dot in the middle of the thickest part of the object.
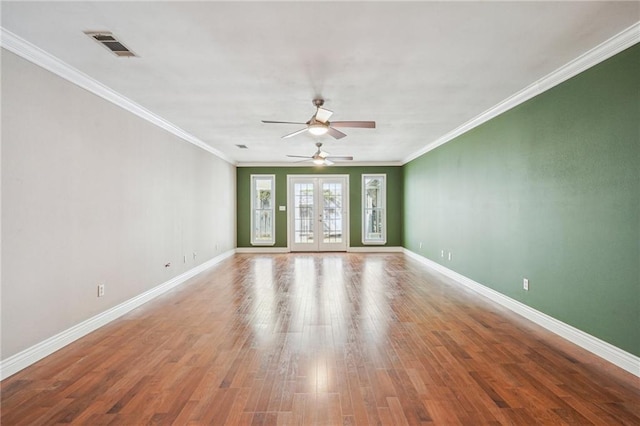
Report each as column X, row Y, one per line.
column 242, row 146
column 110, row 41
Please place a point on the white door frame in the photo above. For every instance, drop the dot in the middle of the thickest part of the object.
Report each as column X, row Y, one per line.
column 318, row 245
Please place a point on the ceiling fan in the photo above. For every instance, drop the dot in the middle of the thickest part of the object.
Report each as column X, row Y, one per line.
column 322, row 158
column 319, row 123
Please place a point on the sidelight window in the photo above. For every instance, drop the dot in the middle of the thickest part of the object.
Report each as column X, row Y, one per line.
column 263, row 199
column 374, row 214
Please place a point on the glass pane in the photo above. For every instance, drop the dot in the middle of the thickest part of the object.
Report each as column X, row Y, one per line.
column 263, row 225
column 263, row 192
column 374, row 221
column 332, row 212
column 303, row 213
column 373, row 192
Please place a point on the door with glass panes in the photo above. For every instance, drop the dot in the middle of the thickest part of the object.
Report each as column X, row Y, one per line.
column 318, row 212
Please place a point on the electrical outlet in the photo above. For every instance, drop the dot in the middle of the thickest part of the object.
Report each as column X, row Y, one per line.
column 442, row 254
column 525, row 284
column 100, row 290
column 195, row 255
column 449, row 255
column 184, row 259
column 420, row 244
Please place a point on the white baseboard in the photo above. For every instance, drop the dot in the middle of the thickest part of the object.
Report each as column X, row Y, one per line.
column 367, row 249
column 607, row 351
column 262, row 250
column 35, row 353
column 613, row 354
column 375, row 249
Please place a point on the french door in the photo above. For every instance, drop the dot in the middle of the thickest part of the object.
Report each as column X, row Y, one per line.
column 318, row 212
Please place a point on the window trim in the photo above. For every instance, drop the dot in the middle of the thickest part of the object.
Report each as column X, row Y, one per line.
column 273, row 210
column 383, row 239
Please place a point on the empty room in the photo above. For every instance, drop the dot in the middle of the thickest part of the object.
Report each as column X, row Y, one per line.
column 320, row 213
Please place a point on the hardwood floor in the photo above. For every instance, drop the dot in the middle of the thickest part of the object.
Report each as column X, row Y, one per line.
column 330, row 339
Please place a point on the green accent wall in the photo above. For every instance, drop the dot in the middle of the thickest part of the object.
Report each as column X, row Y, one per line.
column 550, row 191
column 394, row 200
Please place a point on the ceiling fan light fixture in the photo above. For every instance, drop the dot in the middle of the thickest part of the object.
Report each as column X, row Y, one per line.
column 319, row 124
column 321, row 158
column 318, row 129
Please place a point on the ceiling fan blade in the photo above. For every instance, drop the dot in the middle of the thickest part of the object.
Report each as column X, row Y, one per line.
column 297, row 132
column 300, row 156
column 328, row 162
column 361, row 124
column 323, row 115
column 281, row 122
column 340, row 157
column 337, row 134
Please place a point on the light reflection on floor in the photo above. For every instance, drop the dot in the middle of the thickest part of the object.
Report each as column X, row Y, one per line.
column 321, row 307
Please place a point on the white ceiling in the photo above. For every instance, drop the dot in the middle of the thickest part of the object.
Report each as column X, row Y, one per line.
column 419, row 69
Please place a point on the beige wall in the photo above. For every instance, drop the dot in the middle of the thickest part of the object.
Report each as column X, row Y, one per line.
column 92, row 194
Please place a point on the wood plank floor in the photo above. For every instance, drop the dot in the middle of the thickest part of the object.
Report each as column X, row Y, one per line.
column 329, row 339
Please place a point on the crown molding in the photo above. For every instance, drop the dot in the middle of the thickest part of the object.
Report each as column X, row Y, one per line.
column 309, row 164
column 605, row 50
column 37, row 56
column 598, row 54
